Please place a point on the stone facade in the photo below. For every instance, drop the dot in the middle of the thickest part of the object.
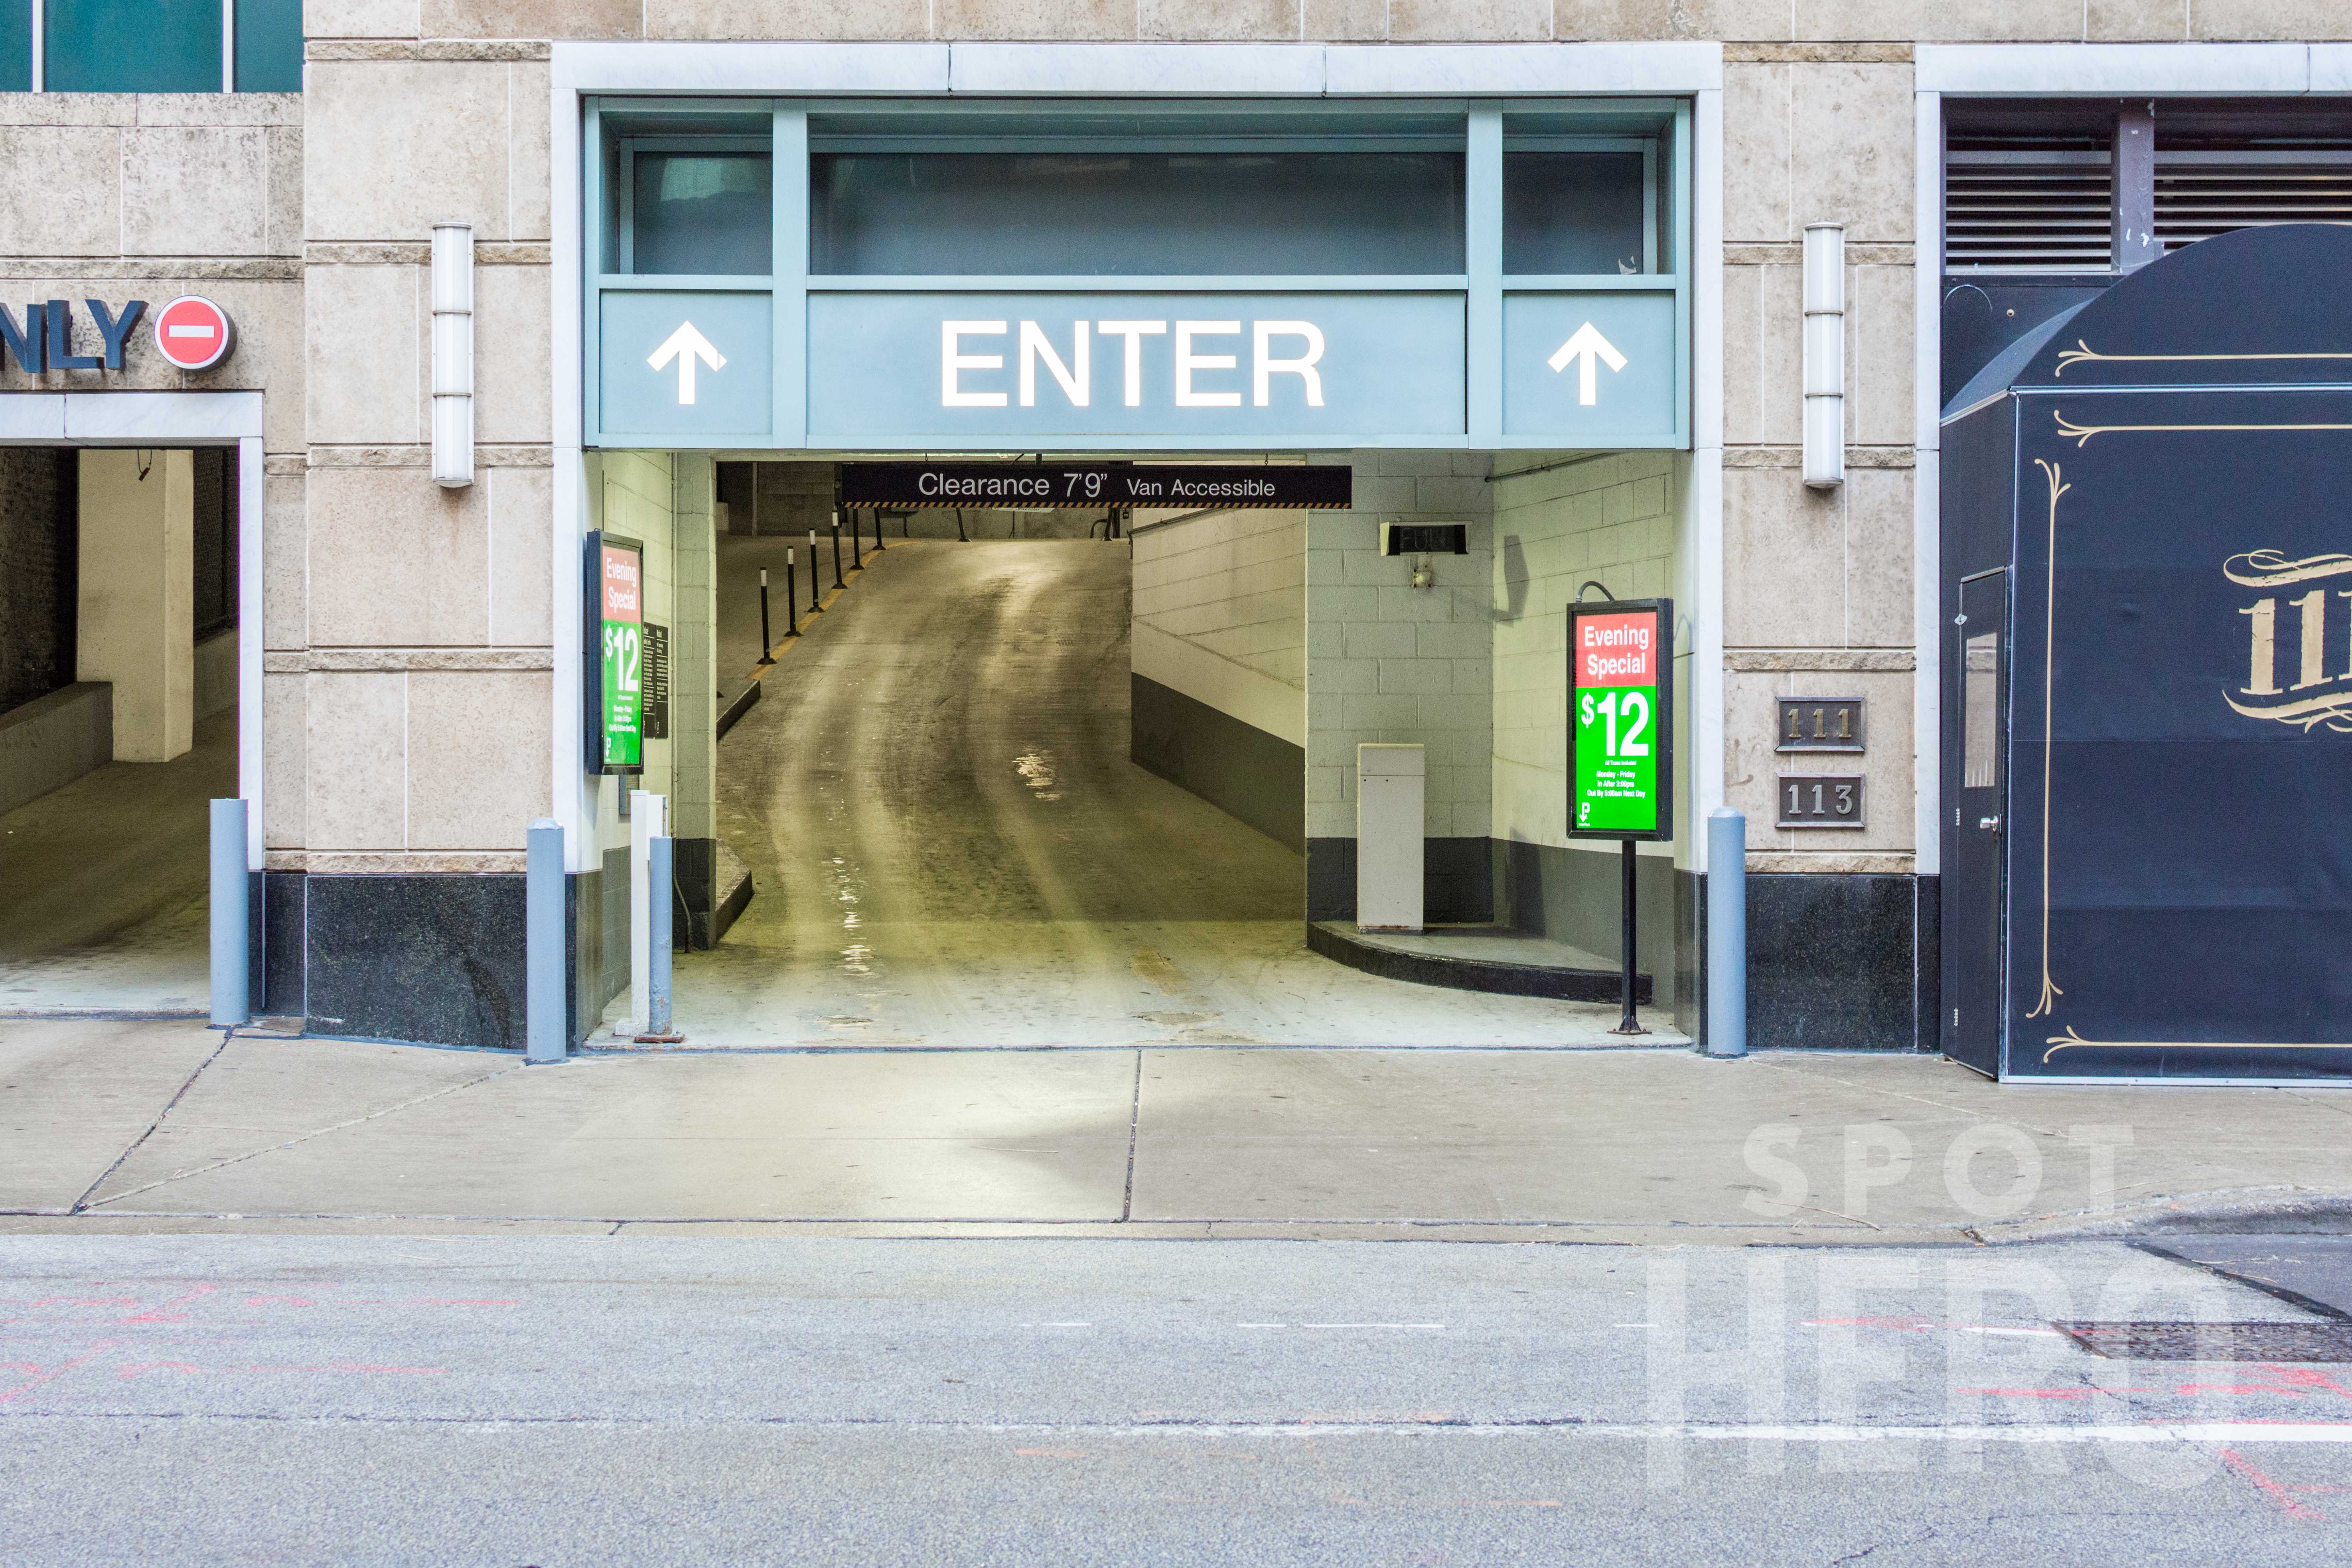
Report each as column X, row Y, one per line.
column 412, row 633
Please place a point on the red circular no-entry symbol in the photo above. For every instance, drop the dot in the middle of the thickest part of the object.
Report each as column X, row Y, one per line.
column 193, row 332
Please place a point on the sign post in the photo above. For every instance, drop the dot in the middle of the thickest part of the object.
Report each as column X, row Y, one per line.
column 1620, row 771
column 617, row 686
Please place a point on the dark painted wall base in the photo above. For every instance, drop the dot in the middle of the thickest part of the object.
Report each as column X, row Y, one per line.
column 1458, row 880
column 598, row 913
column 1238, row 768
column 714, row 887
column 1575, row 896
column 1341, row 940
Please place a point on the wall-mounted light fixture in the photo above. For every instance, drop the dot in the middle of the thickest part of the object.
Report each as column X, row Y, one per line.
column 1824, row 355
column 453, row 354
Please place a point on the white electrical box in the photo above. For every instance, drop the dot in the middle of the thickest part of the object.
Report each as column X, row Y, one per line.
column 1390, row 784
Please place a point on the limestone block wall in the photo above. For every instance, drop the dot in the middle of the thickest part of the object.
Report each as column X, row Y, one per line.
column 148, row 196
column 1354, row 21
column 1818, row 584
column 419, row 620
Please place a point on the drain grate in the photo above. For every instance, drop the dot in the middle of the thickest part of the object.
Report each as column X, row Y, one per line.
column 2320, row 1342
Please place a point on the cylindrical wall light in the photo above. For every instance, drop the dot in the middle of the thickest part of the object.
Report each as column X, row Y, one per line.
column 453, row 354
column 1824, row 355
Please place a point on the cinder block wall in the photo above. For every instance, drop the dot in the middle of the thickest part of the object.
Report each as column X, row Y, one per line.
column 1389, row 663
column 36, row 575
column 1219, row 641
column 1560, row 523
column 1221, row 614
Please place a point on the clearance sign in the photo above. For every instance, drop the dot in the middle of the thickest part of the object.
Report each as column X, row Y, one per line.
column 1621, row 720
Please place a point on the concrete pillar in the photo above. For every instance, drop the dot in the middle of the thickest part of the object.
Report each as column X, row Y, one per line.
column 693, row 649
column 137, row 606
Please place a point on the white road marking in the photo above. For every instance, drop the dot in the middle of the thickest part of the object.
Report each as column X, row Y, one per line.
column 2235, row 1433
column 1339, row 1325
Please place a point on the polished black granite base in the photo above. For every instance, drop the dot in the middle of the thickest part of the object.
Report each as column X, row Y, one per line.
column 435, row 958
column 1841, row 962
column 283, row 960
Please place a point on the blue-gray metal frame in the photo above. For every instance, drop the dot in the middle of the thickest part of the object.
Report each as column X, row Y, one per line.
column 1482, row 286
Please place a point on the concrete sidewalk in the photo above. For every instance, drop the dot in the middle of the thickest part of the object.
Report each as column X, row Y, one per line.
column 166, row 1126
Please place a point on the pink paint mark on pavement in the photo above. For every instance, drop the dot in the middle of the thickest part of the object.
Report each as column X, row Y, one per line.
column 131, row 1369
column 163, row 1314
column 85, row 1301
column 2270, row 1489
column 46, row 1375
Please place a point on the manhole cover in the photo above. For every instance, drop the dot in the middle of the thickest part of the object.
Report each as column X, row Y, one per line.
column 2323, row 1341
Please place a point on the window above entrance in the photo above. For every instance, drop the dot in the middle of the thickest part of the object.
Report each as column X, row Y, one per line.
column 1003, row 275
column 150, row 45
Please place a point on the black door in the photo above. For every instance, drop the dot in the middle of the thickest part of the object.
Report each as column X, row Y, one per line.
column 1976, row 697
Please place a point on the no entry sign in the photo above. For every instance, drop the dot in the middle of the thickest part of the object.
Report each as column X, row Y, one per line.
column 193, row 332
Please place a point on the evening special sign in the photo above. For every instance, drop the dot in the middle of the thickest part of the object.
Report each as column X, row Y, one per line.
column 1621, row 776
column 615, row 674
column 959, row 370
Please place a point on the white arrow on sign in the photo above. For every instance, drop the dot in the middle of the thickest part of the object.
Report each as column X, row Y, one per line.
column 1585, row 345
column 686, row 345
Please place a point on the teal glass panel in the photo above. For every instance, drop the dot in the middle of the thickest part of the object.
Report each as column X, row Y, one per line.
column 1129, row 214
column 133, row 45
column 1573, row 212
column 15, row 45
column 701, row 213
column 268, row 46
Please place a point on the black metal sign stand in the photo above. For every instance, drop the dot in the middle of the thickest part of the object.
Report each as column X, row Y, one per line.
column 1628, row 1024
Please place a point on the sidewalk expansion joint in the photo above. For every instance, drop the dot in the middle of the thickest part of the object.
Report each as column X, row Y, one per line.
column 85, row 1207
column 82, row 1202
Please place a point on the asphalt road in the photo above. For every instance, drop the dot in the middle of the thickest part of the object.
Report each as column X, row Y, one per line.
column 516, row 1400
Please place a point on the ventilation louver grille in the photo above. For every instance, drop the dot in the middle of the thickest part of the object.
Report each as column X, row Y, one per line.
column 2037, row 208
column 2201, row 193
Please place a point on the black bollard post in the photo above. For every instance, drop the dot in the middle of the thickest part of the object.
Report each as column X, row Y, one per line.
column 813, row 605
column 836, row 552
column 959, row 533
column 877, row 530
column 766, row 642
column 791, row 614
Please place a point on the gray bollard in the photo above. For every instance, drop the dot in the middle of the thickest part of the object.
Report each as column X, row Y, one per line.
column 660, row 856
column 231, row 916
column 1727, row 932
column 545, row 1033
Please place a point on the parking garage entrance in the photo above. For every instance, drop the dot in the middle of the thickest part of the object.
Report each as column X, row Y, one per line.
column 120, row 606
column 1102, row 748
column 1045, row 774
